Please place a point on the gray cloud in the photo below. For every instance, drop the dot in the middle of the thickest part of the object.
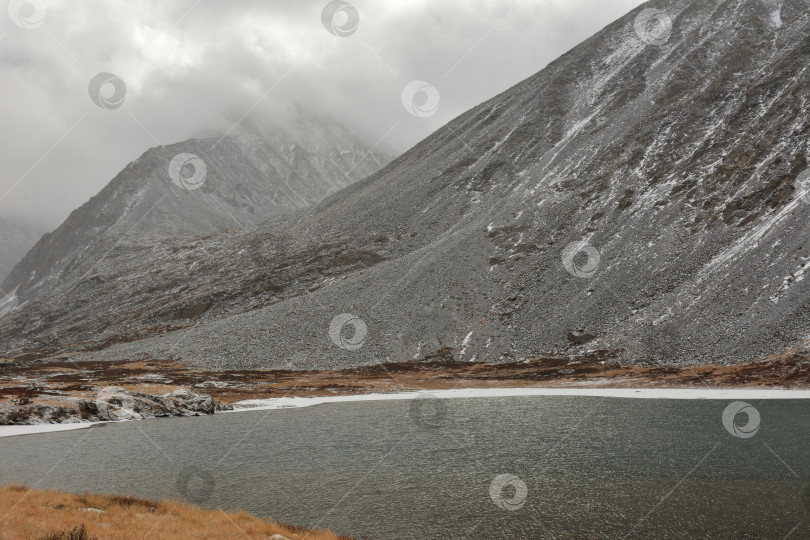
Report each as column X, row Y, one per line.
column 192, row 68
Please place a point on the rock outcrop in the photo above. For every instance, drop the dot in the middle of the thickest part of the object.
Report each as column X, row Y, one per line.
column 112, row 404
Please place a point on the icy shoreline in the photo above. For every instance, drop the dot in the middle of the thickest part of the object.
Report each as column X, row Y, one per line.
column 627, row 393
column 10, row 431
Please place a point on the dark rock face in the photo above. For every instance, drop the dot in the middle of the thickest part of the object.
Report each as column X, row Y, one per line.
column 579, row 337
column 635, row 184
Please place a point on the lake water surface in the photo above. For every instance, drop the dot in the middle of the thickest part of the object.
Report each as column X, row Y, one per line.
column 579, row 467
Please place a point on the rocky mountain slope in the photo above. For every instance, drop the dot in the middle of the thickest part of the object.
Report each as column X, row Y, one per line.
column 15, row 241
column 204, row 186
column 644, row 194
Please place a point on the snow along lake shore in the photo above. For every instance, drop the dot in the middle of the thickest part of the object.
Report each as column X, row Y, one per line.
column 624, row 393
column 633, row 393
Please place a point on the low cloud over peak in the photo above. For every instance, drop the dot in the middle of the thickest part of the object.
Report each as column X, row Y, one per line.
column 187, row 65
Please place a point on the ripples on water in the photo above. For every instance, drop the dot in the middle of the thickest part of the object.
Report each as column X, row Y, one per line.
column 589, row 467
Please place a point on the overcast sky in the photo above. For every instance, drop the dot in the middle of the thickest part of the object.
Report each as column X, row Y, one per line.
column 188, row 64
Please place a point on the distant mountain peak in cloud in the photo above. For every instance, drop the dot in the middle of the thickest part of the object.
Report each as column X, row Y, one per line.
column 287, row 124
column 246, row 174
column 15, row 241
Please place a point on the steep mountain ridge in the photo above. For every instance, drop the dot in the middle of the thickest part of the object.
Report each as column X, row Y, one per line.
column 15, row 241
column 249, row 176
column 644, row 193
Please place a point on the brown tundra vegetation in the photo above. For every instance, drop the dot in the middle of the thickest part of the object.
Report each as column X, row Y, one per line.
column 51, row 515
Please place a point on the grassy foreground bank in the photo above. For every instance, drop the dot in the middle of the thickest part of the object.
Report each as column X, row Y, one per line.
column 51, row 515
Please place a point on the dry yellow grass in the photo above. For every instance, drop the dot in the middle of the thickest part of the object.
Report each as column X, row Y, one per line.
column 35, row 515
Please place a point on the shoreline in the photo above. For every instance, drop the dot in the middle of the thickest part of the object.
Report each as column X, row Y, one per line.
column 13, row 431
column 60, row 395
column 297, row 402
column 459, row 393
